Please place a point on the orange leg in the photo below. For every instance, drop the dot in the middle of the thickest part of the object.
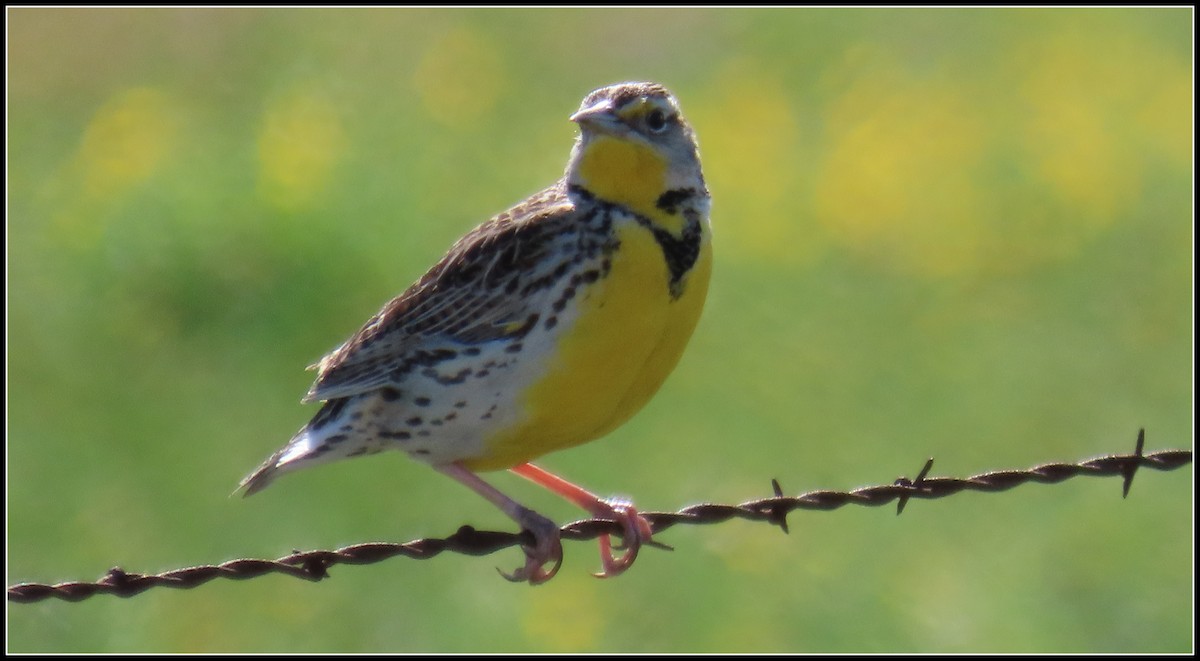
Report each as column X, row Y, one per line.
column 636, row 529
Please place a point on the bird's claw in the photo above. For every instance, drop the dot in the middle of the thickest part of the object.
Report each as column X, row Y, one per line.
column 547, row 550
column 636, row 531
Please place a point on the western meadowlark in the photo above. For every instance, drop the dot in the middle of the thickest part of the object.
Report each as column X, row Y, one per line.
column 545, row 327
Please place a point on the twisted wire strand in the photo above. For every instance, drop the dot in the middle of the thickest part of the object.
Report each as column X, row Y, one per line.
column 314, row 565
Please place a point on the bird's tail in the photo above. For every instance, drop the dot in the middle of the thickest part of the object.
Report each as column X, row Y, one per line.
column 263, row 475
column 310, row 446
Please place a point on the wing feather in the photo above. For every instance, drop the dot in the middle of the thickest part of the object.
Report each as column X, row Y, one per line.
column 469, row 297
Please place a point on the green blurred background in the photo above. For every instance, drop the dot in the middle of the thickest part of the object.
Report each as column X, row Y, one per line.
column 964, row 234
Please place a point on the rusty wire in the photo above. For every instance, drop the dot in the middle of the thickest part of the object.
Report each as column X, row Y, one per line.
column 313, row 565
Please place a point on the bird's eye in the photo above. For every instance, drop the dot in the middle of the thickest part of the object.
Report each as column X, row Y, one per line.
column 656, row 121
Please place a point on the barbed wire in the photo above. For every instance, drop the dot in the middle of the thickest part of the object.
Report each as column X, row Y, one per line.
column 314, row 565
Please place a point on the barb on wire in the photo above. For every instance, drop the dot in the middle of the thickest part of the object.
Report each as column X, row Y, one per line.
column 314, row 565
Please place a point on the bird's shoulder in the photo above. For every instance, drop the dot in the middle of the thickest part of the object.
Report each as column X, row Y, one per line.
column 475, row 293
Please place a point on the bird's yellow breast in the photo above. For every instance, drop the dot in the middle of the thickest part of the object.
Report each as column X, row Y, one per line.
column 627, row 336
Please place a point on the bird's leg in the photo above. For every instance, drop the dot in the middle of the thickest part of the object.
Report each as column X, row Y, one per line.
column 547, row 548
column 636, row 530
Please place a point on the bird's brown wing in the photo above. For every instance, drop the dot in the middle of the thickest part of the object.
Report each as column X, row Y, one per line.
column 476, row 293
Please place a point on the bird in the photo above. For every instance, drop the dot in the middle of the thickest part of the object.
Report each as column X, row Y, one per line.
column 547, row 326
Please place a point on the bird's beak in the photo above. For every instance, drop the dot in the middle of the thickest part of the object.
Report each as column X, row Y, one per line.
column 600, row 116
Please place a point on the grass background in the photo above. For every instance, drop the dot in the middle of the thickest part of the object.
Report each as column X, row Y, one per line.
column 964, row 234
